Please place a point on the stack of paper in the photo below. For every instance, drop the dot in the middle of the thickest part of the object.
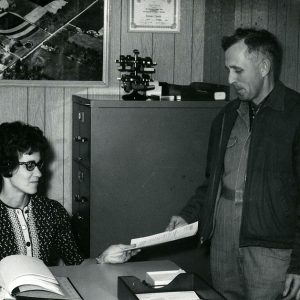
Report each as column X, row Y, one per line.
column 161, row 278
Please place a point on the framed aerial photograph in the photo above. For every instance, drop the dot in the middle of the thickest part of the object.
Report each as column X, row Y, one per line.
column 53, row 40
column 154, row 15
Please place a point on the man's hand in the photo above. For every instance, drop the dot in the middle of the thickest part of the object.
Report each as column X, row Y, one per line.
column 292, row 287
column 175, row 222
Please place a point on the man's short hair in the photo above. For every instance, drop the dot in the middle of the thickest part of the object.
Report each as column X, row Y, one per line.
column 259, row 40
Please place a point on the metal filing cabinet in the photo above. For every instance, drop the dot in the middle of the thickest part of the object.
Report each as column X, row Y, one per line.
column 81, row 174
column 135, row 163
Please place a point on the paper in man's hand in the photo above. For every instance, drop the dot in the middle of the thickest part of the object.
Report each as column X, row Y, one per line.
column 167, row 236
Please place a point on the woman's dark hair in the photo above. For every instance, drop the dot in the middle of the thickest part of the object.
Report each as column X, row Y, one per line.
column 17, row 138
column 259, row 40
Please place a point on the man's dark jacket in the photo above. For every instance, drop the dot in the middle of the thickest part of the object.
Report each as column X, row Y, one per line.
column 271, row 211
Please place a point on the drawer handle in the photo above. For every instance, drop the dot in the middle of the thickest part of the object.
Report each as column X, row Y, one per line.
column 79, row 217
column 81, row 199
column 80, row 176
column 80, row 139
column 81, row 116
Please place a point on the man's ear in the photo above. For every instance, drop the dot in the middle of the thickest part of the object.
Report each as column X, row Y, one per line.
column 265, row 67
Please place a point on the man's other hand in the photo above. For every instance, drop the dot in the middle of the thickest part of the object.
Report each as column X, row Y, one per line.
column 175, row 222
column 292, row 287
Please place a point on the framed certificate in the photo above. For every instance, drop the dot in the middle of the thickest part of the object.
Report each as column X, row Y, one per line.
column 154, row 15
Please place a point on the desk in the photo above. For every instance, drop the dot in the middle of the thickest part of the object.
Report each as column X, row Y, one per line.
column 100, row 281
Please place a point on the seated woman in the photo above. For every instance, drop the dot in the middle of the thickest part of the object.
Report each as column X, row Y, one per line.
column 31, row 224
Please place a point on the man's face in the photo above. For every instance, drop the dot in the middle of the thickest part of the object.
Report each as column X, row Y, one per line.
column 244, row 72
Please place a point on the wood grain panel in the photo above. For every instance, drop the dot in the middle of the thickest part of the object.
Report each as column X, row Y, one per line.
column 198, row 18
column 163, row 55
column 291, row 40
column 238, row 13
column 36, row 107
column 213, row 34
column 246, row 13
column 209, row 38
column 114, row 40
column 13, row 104
column 260, row 13
column 227, row 28
column 133, row 40
column 54, row 130
column 298, row 63
column 281, row 31
column 216, row 43
column 272, row 15
column 183, row 45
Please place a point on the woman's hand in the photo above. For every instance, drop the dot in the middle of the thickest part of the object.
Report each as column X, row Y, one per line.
column 117, row 254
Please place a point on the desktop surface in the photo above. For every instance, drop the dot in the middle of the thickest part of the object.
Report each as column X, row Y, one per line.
column 100, row 281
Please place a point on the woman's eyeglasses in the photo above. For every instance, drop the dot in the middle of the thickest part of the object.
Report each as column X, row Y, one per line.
column 30, row 165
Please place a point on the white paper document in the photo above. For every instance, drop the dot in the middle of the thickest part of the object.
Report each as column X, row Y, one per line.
column 167, row 236
column 189, row 295
column 160, row 278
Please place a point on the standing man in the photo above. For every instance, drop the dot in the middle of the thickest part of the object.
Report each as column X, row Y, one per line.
column 248, row 207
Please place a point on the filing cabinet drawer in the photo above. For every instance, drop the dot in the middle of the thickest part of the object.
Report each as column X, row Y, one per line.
column 81, row 229
column 81, row 134
column 81, row 189
column 81, row 206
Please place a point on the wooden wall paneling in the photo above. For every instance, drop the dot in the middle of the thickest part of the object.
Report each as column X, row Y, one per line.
column 13, row 104
column 298, row 63
column 198, row 41
column 183, row 45
column 212, row 47
column 141, row 41
column 281, row 31
column 54, row 130
column 67, row 149
column 260, row 13
column 272, row 16
column 164, row 56
column 227, row 28
column 238, row 13
column 36, row 106
column 291, row 39
column 114, row 36
column 208, row 39
column 114, row 90
column 246, row 12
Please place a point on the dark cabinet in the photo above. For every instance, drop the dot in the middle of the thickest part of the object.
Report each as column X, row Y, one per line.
column 81, row 175
column 134, row 165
